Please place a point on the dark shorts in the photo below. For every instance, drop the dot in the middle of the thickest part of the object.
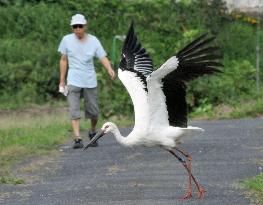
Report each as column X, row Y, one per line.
column 90, row 96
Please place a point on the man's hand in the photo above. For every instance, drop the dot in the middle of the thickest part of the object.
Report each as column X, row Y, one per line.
column 106, row 64
column 112, row 74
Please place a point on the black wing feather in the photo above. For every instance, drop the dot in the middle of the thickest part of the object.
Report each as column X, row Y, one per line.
column 177, row 114
column 196, row 59
column 203, row 58
column 192, row 44
column 196, row 46
column 211, row 50
column 135, row 57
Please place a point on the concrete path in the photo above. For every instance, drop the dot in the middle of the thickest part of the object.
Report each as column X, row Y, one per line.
column 228, row 152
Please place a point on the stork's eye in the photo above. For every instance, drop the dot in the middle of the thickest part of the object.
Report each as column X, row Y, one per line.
column 107, row 126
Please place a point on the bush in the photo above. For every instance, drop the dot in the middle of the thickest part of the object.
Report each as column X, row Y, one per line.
column 31, row 31
column 236, row 83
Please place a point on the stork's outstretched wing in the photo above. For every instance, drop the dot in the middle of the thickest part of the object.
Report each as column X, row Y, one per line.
column 196, row 59
column 162, row 98
column 135, row 66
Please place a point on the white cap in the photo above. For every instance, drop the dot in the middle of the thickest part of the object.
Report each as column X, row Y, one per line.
column 78, row 19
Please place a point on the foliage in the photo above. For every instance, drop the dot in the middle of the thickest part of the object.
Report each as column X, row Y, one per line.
column 31, row 31
column 11, row 180
column 256, row 184
column 237, row 82
column 25, row 134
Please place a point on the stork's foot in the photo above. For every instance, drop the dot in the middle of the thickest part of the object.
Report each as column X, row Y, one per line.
column 187, row 195
column 201, row 193
column 189, row 157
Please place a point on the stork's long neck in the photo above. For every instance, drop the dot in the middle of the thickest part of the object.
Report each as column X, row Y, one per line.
column 121, row 139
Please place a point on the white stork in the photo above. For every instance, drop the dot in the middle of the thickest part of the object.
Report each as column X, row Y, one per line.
column 159, row 97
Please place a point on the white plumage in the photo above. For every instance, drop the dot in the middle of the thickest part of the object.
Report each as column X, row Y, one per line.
column 158, row 96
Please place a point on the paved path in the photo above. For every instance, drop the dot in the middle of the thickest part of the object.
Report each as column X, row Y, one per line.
column 229, row 151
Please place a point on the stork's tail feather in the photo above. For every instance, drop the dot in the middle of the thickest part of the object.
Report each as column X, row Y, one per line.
column 198, row 58
column 187, row 130
column 190, row 128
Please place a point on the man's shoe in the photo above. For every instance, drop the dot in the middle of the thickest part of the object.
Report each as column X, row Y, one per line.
column 91, row 135
column 78, row 143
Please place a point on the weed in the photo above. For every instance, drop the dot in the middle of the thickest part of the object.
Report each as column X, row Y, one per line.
column 256, row 184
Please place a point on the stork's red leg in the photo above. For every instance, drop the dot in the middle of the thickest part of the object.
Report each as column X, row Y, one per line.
column 189, row 165
column 188, row 193
column 189, row 157
column 201, row 190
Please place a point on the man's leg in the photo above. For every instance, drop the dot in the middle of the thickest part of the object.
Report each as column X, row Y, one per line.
column 91, row 109
column 74, row 110
column 75, row 127
column 91, row 106
column 93, row 123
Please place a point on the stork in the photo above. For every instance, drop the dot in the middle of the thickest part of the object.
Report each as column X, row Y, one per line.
column 159, row 97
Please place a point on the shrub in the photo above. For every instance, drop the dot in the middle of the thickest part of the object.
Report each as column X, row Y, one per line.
column 31, row 31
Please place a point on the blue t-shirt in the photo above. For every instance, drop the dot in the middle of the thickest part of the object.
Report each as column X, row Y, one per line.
column 80, row 54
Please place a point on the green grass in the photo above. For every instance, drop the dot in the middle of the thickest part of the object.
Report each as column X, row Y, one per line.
column 28, row 133
column 256, row 185
column 240, row 109
column 251, row 109
column 11, row 180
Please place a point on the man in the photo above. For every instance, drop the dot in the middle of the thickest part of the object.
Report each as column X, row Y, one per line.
column 78, row 50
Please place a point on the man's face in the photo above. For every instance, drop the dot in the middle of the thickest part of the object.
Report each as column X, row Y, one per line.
column 79, row 30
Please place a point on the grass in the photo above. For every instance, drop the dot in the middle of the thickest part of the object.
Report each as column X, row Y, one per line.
column 242, row 109
column 251, row 109
column 11, row 180
column 34, row 132
column 27, row 133
column 256, row 185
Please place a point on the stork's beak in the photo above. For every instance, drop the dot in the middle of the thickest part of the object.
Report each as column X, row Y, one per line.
column 99, row 134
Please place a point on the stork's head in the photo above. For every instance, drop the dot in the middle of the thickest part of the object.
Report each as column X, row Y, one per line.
column 107, row 127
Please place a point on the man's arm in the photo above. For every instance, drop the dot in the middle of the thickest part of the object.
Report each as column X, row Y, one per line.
column 63, row 65
column 106, row 64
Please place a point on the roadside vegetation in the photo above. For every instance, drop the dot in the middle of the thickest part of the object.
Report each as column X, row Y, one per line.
column 28, row 133
column 256, row 185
